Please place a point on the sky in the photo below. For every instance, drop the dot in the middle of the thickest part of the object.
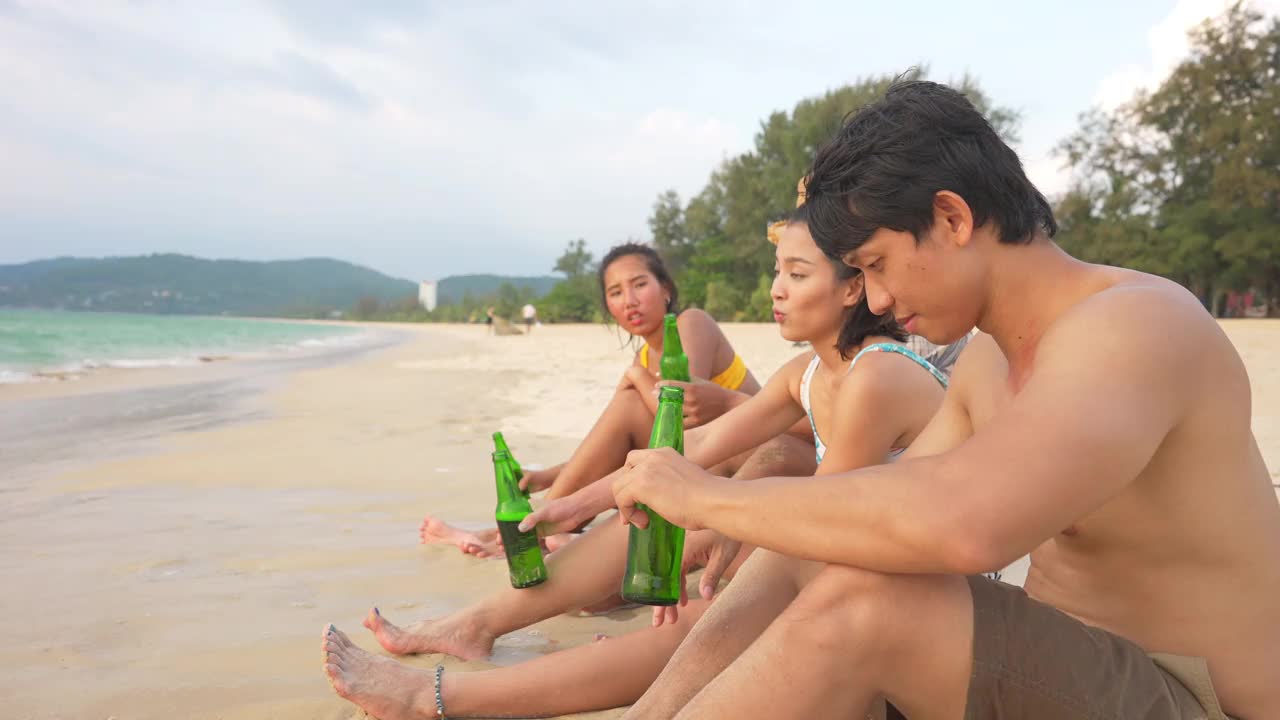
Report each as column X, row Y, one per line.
column 427, row 139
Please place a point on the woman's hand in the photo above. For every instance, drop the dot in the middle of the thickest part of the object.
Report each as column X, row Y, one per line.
column 537, row 480
column 571, row 511
column 704, row 400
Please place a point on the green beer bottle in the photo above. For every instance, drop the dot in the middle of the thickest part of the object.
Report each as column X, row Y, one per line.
column 674, row 364
column 500, row 445
column 524, row 555
column 654, row 553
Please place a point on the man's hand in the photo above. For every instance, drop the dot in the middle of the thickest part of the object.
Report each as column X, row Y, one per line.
column 704, row 400
column 702, row 549
column 665, row 481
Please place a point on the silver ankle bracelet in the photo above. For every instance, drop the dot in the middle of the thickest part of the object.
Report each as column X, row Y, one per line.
column 439, row 697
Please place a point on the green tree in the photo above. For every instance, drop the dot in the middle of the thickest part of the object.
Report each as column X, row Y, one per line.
column 576, row 260
column 1184, row 181
column 760, row 307
column 666, row 225
column 576, row 298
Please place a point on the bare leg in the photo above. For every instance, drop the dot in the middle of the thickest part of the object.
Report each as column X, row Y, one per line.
column 851, row 637
column 583, row 572
column 605, row 674
column 623, row 426
column 763, row 588
column 583, row 678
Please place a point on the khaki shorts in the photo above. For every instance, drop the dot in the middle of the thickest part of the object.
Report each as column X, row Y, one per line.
column 1033, row 661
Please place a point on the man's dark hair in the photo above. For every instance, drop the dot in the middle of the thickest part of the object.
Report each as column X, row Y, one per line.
column 884, row 166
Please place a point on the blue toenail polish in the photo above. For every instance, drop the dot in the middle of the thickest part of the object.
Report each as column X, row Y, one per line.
column 331, row 627
column 375, row 612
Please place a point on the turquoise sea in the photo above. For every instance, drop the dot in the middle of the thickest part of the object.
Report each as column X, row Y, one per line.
column 35, row 342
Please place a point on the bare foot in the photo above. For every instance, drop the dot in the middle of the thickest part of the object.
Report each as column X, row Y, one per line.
column 429, row 636
column 380, row 686
column 482, row 543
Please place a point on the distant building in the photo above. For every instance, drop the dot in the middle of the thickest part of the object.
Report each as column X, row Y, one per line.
column 427, row 294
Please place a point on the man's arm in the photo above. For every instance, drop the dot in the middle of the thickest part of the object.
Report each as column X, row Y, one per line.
column 1084, row 425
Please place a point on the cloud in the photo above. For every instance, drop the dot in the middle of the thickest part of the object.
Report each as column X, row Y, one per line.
column 1169, row 45
column 433, row 138
column 385, row 133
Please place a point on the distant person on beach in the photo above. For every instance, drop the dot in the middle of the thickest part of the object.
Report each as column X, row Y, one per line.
column 1132, row 478
column 861, row 390
column 638, row 292
column 530, row 314
column 488, row 318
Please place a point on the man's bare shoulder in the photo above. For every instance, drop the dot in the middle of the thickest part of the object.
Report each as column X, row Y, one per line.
column 1134, row 316
column 980, row 367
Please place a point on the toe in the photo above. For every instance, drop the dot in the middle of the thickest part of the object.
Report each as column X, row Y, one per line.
column 341, row 638
column 331, row 646
column 337, row 679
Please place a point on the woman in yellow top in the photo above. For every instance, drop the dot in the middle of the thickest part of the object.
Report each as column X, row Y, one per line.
column 638, row 292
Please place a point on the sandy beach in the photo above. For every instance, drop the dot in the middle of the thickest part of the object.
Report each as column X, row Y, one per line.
column 185, row 570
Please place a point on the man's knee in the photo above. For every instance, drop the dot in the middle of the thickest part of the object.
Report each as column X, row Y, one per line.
column 842, row 594
column 871, row 604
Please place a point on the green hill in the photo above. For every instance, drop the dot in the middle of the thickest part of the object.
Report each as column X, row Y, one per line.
column 453, row 289
column 181, row 284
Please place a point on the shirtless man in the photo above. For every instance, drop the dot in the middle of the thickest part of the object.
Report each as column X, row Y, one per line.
column 1113, row 444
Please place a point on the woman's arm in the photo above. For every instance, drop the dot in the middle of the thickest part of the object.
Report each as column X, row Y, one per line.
column 764, row 416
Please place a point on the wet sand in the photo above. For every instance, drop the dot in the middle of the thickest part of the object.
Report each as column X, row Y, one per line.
column 186, row 569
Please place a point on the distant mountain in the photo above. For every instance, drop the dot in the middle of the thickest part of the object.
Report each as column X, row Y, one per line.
column 182, row 284
column 453, row 288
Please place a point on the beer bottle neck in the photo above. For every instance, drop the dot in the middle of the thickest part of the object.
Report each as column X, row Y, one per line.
column 671, row 338
column 668, row 426
column 500, row 443
column 505, row 478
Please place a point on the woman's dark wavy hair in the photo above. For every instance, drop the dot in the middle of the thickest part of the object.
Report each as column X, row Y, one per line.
column 652, row 261
column 859, row 322
column 885, row 165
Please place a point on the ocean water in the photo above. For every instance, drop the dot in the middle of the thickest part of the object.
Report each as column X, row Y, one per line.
column 38, row 344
